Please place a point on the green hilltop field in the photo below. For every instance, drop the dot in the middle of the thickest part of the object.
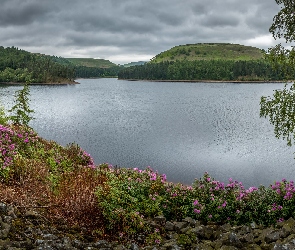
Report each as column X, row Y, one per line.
column 207, row 62
column 91, row 62
column 209, row 51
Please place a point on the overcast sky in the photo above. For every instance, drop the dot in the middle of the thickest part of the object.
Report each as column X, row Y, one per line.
column 131, row 30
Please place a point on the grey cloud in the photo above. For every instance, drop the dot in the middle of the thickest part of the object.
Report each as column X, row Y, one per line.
column 129, row 27
column 220, row 21
column 21, row 12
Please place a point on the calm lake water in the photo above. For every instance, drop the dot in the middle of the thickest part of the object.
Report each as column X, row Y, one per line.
column 180, row 129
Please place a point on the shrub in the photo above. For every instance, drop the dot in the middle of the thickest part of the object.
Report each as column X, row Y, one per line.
column 21, row 110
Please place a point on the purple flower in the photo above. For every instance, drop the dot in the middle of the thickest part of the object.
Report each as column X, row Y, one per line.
column 157, row 241
column 197, row 211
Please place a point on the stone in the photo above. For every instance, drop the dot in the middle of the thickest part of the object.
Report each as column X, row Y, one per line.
column 245, row 230
column 134, row 247
column 101, row 244
column 247, row 238
column 252, row 247
column 120, row 247
column 3, row 208
column 234, row 240
column 253, row 225
column 169, row 226
column 228, row 248
column 32, row 214
column 160, row 220
column 272, row 236
column 180, row 225
column 203, row 246
column 192, row 222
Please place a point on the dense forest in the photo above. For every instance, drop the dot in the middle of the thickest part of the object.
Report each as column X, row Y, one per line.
column 18, row 65
column 207, row 61
column 220, row 70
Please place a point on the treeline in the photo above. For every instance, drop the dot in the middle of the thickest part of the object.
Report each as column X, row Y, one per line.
column 220, row 70
column 21, row 66
column 92, row 72
column 18, row 65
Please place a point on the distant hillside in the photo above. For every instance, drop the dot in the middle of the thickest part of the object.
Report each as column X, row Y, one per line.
column 91, row 62
column 209, row 51
column 206, row 62
column 134, row 63
column 18, row 65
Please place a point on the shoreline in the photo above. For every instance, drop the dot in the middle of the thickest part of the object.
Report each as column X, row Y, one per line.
column 206, row 81
column 40, row 83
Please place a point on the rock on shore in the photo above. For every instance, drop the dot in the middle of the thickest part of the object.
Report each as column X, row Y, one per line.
column 27, row 229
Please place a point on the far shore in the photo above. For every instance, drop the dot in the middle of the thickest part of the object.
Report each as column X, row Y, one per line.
column 206, row 81
column 40, row 83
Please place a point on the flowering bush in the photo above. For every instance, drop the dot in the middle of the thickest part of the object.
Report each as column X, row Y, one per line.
column 14, row 140
column 128, row 196
column 23, row 142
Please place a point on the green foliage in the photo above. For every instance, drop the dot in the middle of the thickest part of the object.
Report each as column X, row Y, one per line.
column 21, row 66
column 280, row 110
column 128, row 196
column 280, row 107
column 21, row 110
column 20, row 143
column 221, row 70
column 283, row 25
column 209, row 51
column 206, row 61
column 3, row 116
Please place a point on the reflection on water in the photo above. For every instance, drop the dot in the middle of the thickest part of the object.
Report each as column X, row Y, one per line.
column 181, row 129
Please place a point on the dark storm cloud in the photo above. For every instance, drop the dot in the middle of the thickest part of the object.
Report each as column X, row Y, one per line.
column 125, row 30
column 21, row 12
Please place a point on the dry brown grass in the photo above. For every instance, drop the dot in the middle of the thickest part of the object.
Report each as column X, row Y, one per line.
column 75, row 201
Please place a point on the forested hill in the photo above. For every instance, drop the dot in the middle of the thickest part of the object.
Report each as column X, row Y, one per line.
column 18, row 65
column 90, row 67
column 202, row 62
column 210, row 51
column 91, row 62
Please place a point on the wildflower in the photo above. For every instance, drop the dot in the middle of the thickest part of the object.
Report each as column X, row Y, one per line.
column 157, row 241
column 210, row 216
column 153, row 177
column 196, row 202
column 197, row 211
column 280, row 220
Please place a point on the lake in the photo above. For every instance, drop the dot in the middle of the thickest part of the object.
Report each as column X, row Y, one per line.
column 180, row 129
